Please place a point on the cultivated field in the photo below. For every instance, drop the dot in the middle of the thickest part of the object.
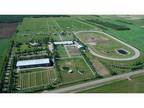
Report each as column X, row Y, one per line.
column 7, row 29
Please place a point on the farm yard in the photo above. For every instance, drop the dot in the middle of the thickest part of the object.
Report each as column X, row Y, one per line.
column 78, row 49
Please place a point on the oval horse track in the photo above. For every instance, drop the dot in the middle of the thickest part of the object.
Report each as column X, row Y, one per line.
column 136, row 55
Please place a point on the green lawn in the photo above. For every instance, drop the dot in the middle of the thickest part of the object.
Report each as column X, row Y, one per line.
column 136, row 85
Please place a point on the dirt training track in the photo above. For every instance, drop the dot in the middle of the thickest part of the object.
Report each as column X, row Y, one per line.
column 136, row 51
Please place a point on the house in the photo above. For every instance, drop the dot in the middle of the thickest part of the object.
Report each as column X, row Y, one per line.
column 45, row 62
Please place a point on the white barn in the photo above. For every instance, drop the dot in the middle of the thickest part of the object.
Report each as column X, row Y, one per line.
column 33, row 63
column 64, row 43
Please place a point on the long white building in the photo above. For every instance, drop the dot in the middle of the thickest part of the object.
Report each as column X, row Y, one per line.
column 33, row 63
column 64, row 43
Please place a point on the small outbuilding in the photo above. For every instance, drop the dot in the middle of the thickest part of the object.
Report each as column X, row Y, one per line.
column 33, row 44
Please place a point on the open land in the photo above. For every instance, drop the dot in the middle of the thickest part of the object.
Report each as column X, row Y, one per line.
column 90, row 48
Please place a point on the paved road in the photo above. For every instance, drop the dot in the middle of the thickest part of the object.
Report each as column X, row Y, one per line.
column 79, row 87
column 136, row 55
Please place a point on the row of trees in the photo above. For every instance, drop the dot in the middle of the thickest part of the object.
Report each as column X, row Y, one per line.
column 5, row 68
column 109, row 24
column 41, row 47
column 120, row 67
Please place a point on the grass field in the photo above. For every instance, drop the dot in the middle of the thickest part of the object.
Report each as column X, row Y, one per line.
column 134, row 36
column 4, row 45
column 36, row 79
column 71, row 24
column 33, row 24
column 80, row 70
column 32, row 29
column 135, row 85
column 104, row 45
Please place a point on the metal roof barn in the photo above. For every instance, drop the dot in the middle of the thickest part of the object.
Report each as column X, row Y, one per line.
column 63, row 43
column 33, row 62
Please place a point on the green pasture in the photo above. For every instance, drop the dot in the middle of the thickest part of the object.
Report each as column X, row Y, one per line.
column 71, row 24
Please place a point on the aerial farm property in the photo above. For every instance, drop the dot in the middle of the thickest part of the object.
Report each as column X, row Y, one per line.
column 70, row 53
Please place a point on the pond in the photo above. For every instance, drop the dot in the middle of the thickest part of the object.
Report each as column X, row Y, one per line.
column 122, row 51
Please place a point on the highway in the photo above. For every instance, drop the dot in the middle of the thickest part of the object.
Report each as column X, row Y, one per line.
column 94, row 83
